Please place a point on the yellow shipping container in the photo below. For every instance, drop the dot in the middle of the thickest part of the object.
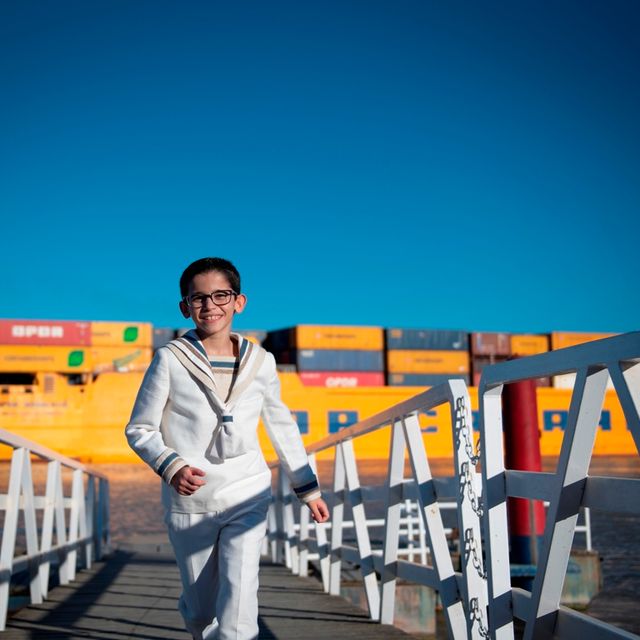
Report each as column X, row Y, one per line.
column 427, row 361
column 529, row 344
column 23, row 358
column 120, row 358
column 115, row 334
column 312, row 336
column 561, row 339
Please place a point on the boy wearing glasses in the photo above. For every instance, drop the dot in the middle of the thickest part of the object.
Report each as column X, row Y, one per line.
column 194, row 423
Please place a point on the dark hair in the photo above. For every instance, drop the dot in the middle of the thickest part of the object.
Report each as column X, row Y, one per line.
column 205, row 265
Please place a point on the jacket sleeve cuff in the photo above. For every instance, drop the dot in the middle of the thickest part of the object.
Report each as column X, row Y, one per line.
column 167, row 464
column 308, row 492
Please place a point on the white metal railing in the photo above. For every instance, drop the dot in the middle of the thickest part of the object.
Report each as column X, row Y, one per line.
column 566, row 490
column 80, row 520
column 479, row 593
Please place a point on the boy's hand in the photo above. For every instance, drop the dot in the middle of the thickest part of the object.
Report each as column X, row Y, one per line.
column 186, row 480
column 319, row 510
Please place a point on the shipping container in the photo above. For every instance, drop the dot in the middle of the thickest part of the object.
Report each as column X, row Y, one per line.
column 115, row 334
column 45, row 332
column 437, row 339
column 427, row 361
column 529, row 344
column 342, row 378
column 490, row 344
column 162, row 335
column 563, row 339
column 328, row 337
column 33, row 358
column 423, row 379
column 333, row 359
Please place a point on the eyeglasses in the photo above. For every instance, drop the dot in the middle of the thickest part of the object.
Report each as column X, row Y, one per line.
column 219, row 298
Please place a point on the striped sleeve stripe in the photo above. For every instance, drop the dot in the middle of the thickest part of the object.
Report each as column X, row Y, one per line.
column 312, row 495
column 166, row 462
column 305, row 488
column 170, row 471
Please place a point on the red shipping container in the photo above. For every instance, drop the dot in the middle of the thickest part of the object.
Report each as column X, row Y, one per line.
column 342, row 378
column 43, row 332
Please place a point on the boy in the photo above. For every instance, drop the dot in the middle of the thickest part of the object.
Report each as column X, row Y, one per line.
column 194, row 422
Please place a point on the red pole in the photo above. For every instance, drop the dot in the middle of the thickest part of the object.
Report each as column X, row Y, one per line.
column 522, row 453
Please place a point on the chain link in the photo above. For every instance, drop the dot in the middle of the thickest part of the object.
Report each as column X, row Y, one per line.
column 471, row 552
column 475, row 615
column 466, row 484
column 463, row 434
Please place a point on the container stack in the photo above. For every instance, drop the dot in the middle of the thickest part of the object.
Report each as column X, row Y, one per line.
column 488, row 348
column 562, row 340
column 30, row 346
column 425, row 357
column 331, row 355
column 73, row 347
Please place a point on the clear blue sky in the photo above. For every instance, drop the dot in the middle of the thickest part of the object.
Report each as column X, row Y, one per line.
column 414, row 164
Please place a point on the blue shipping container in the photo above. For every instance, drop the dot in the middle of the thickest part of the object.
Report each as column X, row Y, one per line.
column 438, row 340
column 334, row 359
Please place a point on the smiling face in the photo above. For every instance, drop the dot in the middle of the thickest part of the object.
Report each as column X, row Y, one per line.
column 210, row 318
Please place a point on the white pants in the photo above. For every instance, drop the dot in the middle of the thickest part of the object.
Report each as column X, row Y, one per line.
column 218, row 555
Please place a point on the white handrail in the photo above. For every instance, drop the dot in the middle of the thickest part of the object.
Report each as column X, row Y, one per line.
column 86, row 528
column 567, row 491
column 481, row 592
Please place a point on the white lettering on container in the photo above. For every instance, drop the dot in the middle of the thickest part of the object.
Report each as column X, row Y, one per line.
column 342, row 381
column 37, row 330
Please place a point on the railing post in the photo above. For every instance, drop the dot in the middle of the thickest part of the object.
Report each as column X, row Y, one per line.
column 64, row 570
column 362, row 533
column 76, row 518
column 89, row 513
column 53, row 472
column 395, row 477
column 321, row 539
column 9, row 531
column 430, row 512
column 337, row 516
column 31, row 530
column 291, row 546
column 573, row 466
column 496, row 535
column 470, row 511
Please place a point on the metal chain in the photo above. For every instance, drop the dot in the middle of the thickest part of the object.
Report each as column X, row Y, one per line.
column 471, row 552
column 475, row 615
column 462, row 432
column 467, row 484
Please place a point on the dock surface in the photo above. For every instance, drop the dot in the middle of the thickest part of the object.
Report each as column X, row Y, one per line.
column 133, row 594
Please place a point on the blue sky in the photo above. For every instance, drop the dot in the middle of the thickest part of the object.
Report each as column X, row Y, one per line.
column 412, row 164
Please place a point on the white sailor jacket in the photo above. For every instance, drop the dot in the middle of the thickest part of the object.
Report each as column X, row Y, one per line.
column 179, row 419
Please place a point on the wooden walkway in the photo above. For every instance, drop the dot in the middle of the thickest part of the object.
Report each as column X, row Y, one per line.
column 134, row 595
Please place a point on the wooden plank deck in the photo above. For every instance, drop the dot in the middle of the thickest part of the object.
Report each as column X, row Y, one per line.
column 134, row 595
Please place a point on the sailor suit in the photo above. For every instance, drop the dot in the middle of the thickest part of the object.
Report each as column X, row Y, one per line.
column 179, row 418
